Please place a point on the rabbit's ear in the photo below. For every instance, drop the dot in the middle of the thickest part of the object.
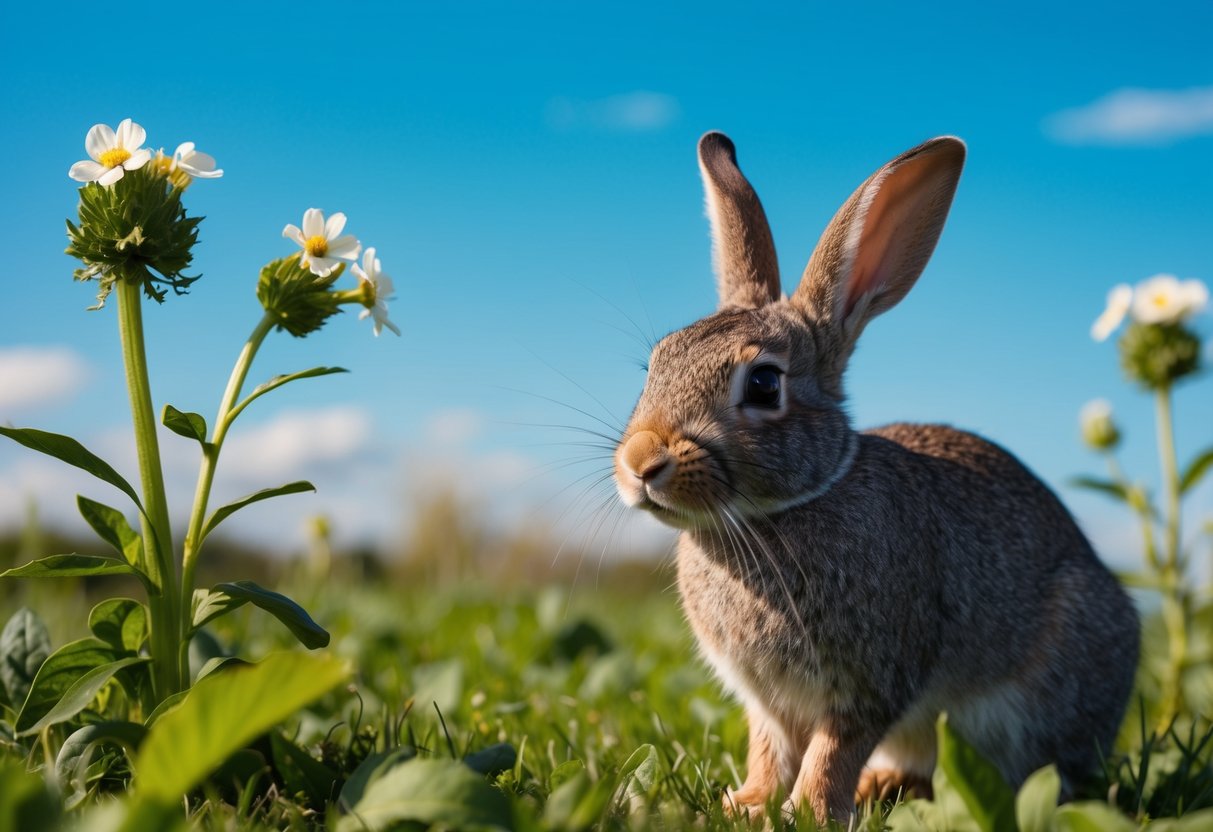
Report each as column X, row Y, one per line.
column 747, row 273
column 878, row 243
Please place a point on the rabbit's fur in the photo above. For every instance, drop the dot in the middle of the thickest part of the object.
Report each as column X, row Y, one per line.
column 848, row 587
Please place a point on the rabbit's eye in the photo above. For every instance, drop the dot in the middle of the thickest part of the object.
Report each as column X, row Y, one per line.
column 762, row 388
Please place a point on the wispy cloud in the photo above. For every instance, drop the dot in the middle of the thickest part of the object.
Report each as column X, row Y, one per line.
column 639, row 111
column 1136, row 116
column 32, row 377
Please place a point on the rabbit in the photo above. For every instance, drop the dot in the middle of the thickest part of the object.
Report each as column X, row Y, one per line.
column 847, row 586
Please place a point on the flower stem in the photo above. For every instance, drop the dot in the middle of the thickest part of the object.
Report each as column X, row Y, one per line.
column 210, row 455
column 159, row 563
column 1175, row 607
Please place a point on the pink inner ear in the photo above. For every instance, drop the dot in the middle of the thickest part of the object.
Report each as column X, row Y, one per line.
column 892, row 238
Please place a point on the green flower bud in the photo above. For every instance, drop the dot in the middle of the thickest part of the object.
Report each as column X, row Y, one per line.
column 1098, row 430
column 1157, row 355
column 299, row 300
column 134, row 230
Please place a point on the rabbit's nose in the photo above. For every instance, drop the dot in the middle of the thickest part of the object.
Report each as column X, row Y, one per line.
column 645, row 455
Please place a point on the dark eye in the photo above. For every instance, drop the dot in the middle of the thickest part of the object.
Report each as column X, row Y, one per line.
column 762, row 387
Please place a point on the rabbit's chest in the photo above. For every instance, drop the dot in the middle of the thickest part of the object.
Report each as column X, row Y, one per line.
column 760, row 631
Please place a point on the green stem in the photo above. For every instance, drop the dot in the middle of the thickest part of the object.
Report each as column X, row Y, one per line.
column 1141, row 507
column 159, row 562
column 210, row 453
column 1175, row 606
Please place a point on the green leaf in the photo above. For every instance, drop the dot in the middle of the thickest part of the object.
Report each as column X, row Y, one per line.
column 369, row 770
column 112, row 527
column 68, row 450
column 225, row 711
column 638, row 774
column 1196, row 471
column 75, row 566
column 1091, row 817
column 189, row 425
column 1037, row 800
column 26, row 803
column 24, row 646
column 1200, row 821
column 301, row 773
column 1107, row 487
column 226, row 511
column 58, row 673
column 223, row 598
column 81, row 693
column 493, row 760
column 77, row 751
column 278, row 381
column 216, row 664
column 430, row 792
column 120, row 622
column 917, row 816
column 988, row 798
column 166, row 705
column 578, row 803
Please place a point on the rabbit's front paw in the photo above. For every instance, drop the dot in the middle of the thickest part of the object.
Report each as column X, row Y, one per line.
column 890, row 784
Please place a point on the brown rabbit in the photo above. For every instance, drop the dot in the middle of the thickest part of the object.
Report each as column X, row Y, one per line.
column 848, row 587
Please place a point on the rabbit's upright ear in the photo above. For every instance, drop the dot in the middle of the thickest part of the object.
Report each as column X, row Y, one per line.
column 878, row 243
column 747, row 273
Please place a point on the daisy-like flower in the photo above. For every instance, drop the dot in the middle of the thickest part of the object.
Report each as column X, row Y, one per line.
column 376, row 289
column 1164, row 299
column 323, row 248
column 194, row 162
column 111, row 153
column 1119, row 301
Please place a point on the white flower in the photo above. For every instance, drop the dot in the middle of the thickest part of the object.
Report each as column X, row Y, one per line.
column 194, row 162
column 112, row 154
column 320, row 243
column 1119, row 300
column 377, row 288
column 1163, row 299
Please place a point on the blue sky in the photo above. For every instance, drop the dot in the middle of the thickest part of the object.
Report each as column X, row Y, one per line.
column 527, row 173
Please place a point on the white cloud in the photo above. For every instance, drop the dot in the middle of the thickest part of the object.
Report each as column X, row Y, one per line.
column 294, row 442
column 1136, row 116
column 640, row 111
column 454, row 426
column 32, row 377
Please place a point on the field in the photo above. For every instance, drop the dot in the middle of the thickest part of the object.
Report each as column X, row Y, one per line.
column 578, row 705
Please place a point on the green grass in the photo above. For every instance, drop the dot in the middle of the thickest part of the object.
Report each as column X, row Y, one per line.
column 583, row 708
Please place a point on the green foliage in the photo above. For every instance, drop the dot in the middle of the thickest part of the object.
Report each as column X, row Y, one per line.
column 81, row 692
column 223, row 712
column 68, row 450
column 73, row 566
column 189, row 425
column 297, row 300
column 26, row 804
column 112, row 527
column 442, row 792
column 1196, row 471
column 223, row 598
column 61, row 670
column 120, row 623
column 135, row 230
column 231, row 508
column 24, row 646
column 277, row 381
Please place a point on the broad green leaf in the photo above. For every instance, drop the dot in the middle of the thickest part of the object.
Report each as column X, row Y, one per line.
column 223, row 598
column 58, row 673
column 578, row 804
column 1111, row 489
column 226, row 511
column 75, row 566
column 189, row 425
column 369, row 770
column 133, row 816
column 24, row 646
column 1091, row 817
column 492, row 760
column 278, row 381
column 77, row 750
column 1201, row 821
column 1196, row 471
column 112, row 527
column 916, row 816
column 430, row 792
column 225, row 711
column 81, row 693
column 302, row 773
column 167, row 704
column 26, row 804
column 218, row 663
column 1037, row 800
column 988, row 798
column 68, row 450
column 438, row 683
column 119, row 622
column 639, row 771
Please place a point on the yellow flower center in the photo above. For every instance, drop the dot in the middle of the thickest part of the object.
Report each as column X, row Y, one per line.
column 317, row 246
column 1160, row 300
column 114, row 157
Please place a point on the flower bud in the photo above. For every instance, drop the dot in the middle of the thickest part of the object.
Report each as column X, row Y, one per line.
column 1098, row 430
column 299, row 300
column 1157, row 355
column 134, row 230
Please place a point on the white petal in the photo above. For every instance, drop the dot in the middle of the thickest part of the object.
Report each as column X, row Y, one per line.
column 184, row 149
column 368, row 261
column 334, row 226
column 201, row 165
column 130, row 135
column 1195, row 296
column 292, row 232
column 100, row 138
column 345, row 247
column 359, row 273
column 320, row 266
column 385, row 289
column 138, row 159
column 313, row 222
column 87, row 171
column 111, row 176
